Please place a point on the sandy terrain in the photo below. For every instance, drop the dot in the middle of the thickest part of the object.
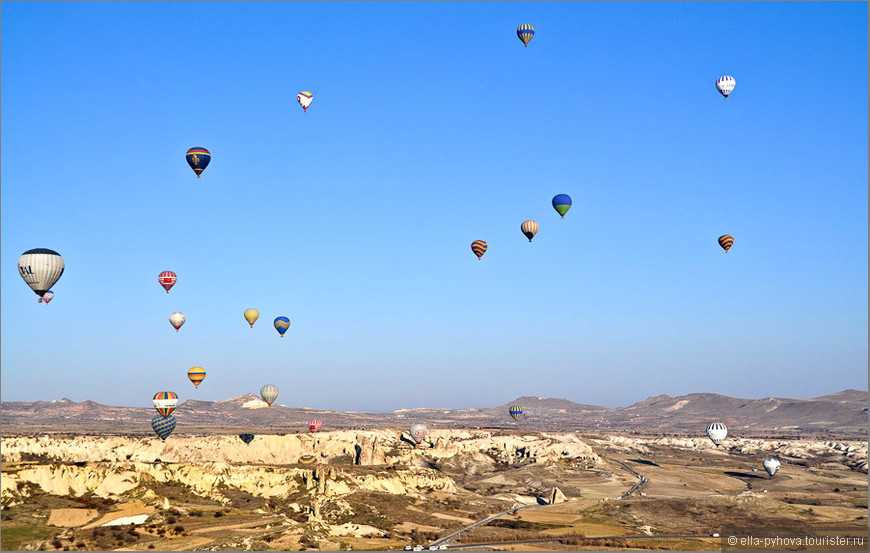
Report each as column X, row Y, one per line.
column 71, row 517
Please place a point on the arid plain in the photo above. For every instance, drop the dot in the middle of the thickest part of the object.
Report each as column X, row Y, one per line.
column 375, row 489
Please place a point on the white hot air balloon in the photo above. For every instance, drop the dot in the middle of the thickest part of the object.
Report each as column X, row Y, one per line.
column 725, row 84
column 717, row 432
column 177, row 319
column 771, row 465
column 304, row 98
column 40, row 269
column 269, row 393
column 418, row 432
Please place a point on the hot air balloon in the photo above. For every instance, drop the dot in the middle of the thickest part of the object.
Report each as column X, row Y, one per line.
column 314, row 425
column 47, row 297
column 165, row 402
column 177, row 319
column 281, row 325
column 304, row 98
column 725, row 84
column 717, row 432
column 251, row 315
column 196, row 375
column 167, row 279
column 726, row 241
column 516, row 412
column 418, row 432
column 163, row 426
column 525, row 32
column 247, row 438
column 562, row 203
column 40, row 268
column 771, row 465
column 307, row 460
column 198, row 159
column 530, row 229
column 269, row 393
column 479, row 248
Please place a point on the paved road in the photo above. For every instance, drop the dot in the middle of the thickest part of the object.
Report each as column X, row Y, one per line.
column 443, row 540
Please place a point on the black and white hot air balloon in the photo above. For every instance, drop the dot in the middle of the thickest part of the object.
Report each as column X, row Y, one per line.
column 717, row 432
column 40, row 268
column 725, row 84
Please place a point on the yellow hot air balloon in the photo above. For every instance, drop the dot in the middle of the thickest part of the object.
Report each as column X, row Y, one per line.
column 196, row 375
column 251, row 315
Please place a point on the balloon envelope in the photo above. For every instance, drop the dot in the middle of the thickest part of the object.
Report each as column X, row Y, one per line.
column 163, row 426
column 771, row 465
column 247, row 438
column 314, row 425
column 717, row 432
column 726, row 241
column 196, row 375
column 307, row 460
column 562, row 203
column 516, row 412
column 305, row 98
column 525, row 33
column 269, row 393
column 479, row 248
column 281, row 325
column 251, row 315
column 40, row 268
column 725, row 84
column 47, row 297
column 530, row 229
column 198, row 159
column 418, row 431
column 177, row 319
column 167, row 279
column 165, row 402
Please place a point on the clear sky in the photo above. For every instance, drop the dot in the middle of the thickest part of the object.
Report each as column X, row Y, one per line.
column 432, row 126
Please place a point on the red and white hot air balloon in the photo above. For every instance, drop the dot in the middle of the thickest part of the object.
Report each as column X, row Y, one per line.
column 315, row 425
column 177, row 319
column 167, row 279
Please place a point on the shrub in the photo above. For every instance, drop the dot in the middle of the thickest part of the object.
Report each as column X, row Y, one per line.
column 218, row 514
column 56, row 543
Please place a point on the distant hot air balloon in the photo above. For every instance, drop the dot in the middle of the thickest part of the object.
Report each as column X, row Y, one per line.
column 525, row 32
column 516, row 412
column 479, row 248
column 726, row 241
column 307, row 460
column 269, row 393
column 717, row 432
column 163, row 426
column 281, row 325
column 771, row 465
column 562, row 203
column 165, row 402
column 530, row 229
column 247, row 438
column 304, row 98
column 167, row 279
column 314, row 425
column 40, row 268
column 725, row 84
column 198, row 159
column 47, row 297
column 251, row 315
column 177, row 319
column 196, row 375
column 418, row 432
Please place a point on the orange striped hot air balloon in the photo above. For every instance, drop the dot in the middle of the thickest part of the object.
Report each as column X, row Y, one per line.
column 726, row 241
column 530, row 229
column 479, row 248
column 196, row 375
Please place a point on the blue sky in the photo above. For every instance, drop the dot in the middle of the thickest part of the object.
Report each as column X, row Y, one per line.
column 432, row 126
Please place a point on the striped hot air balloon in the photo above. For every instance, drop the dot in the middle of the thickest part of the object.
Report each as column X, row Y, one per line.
column 269, row 393
column 177, row 319
column 717, row 432
column 198, row 159
column 525, row 32
column 516, row 412
column 281, row 325
column 726, row 241
column 479, row 248
column 314, row 425
column 167, row 279
column 165, row 402
column 530, row 229
column 163, row 426
column 251, row 315
column 307, row 460
column 46, row 297
column 40, row 268
column 562, row 203
column 305, row 98
column 196, row 375
column 725, row 84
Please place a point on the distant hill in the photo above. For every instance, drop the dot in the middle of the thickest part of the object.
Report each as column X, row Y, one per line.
column 842, row 414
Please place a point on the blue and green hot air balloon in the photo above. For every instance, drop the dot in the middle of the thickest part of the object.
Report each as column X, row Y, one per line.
column 562, row 203
column 163, row 426
column 281, row 325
